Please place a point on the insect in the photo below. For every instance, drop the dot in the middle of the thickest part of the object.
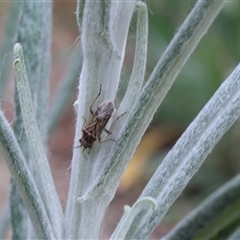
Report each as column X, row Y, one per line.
column 92, row 130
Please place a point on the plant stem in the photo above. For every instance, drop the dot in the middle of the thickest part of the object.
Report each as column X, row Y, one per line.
column 4, row 221
column 190, row 151
column 104, row 33
column 15, row 12
column 24, row 181
column 207, row 211
column 44, row 177
column 122, row 228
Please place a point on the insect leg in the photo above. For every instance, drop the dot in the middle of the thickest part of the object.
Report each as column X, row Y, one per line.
column 110, row 131
column 107, row 140
column 114, row 124
column 84, row 122
column 99, row 93
column 84, row 154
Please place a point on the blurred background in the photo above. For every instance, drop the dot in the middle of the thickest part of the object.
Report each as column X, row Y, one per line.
column 216, row 56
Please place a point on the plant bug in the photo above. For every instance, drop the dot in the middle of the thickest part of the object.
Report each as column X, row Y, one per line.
column 92, row 129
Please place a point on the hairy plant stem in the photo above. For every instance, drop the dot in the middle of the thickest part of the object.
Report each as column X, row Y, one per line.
column 43, row 175
column 34, row 33
column 207, row 211
column 24, row 181
column 104, row 33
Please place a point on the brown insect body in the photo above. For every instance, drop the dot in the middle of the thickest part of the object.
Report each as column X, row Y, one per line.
column 93, row 129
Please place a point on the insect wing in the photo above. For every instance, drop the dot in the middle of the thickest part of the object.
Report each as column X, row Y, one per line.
column 105, row 110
